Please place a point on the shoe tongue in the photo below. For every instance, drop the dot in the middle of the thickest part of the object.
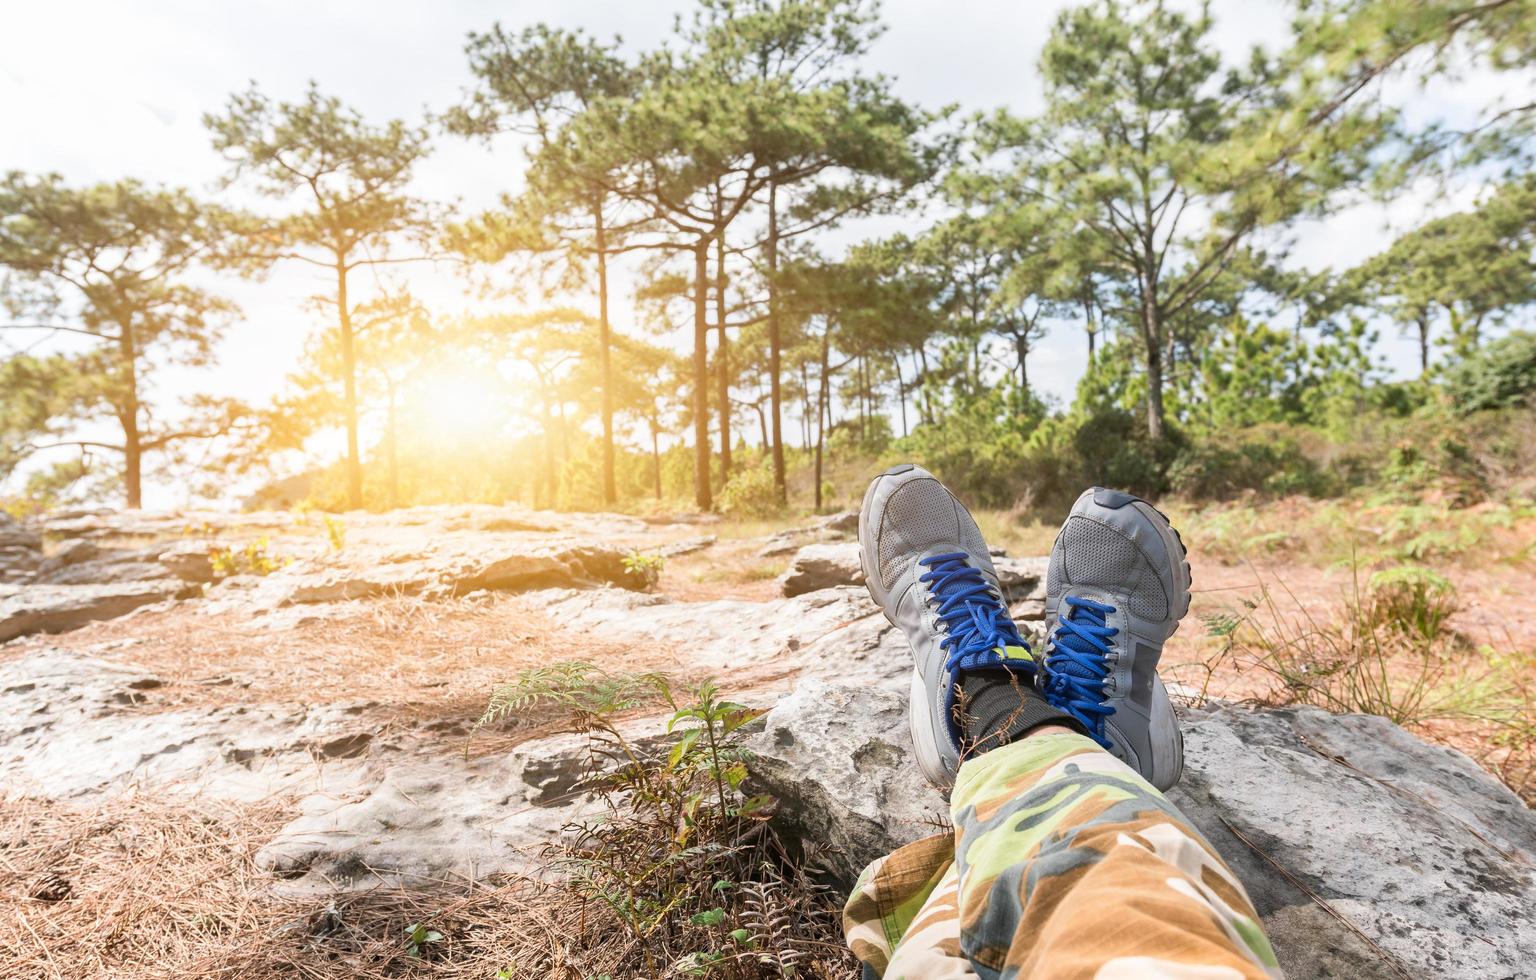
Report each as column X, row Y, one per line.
column 1008, row 657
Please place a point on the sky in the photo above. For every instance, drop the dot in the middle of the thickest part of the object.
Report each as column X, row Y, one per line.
column 100, row 89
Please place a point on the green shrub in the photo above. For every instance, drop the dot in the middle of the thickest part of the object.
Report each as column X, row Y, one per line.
column 1266, row 459
column 1501, row 374
column 751, row 493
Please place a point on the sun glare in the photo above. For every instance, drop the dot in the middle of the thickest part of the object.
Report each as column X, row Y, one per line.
column 450, row 406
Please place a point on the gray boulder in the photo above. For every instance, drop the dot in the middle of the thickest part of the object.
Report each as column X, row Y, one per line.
column 435, row 815
column 837, row 759
column 843, row 522
column 70, row 552
column 687, row 546
column 822, row 566
column 1413, row 847
column 456, row 564
column 60, row 608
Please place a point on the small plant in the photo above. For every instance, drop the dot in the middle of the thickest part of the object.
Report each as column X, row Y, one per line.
column 1413, row 600
column 335, row 532
column 418, row 938
column 680, row 874
column 645, row 567
column 249, row 560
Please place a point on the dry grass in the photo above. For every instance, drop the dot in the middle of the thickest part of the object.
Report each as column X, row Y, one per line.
column 415, row 657
column 1386, row 648
column 147, row 888
column 1341, row 532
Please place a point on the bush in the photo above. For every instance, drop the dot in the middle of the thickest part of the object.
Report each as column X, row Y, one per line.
column 1499, row 375
column 1266, row 458
column 751, row 493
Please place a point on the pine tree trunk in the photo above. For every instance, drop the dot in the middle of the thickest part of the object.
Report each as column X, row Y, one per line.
column 722, row 353
column 805, row 412
column 823, row 409
column 349, row 389
column 656, row 453
column 775, row 344
column 1423, row 324
column 1021, row 344
column 605, row 353
column 927, row 395
column 901, row 393
column 1089, row 327
column 394, row 454
column 701, row 487
column 1152, row 337
column 549, row 456
column 133, row 450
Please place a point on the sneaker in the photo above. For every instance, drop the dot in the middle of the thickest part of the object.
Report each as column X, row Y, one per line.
column 926, row 565
column 1116, row 588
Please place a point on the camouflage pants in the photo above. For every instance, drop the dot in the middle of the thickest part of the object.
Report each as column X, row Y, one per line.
column 1063, row 864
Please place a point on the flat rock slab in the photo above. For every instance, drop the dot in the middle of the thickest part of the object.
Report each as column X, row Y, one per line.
column 73, row 726
column 1410, row 844
column 440, row 818
column 456, row 564
column 835, row 632
column 59, row 608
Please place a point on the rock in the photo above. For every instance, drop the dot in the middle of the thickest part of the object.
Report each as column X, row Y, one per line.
column 72, row 725
column 778, row 545
column 70, row 552
column 426, row 821
column 843, row 522
column 107, row 571
column 687, row 546
column 461, row 564
column 14, row 534
column 60, row 608
column 822, row 566
column 1409, row 843
column 831, row 632
column 19, row 562
column 188, row 561
column 838, row 760
column 450, row 817
column 1022, row 578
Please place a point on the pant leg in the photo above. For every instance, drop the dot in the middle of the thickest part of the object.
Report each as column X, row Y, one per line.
column 1070, row 865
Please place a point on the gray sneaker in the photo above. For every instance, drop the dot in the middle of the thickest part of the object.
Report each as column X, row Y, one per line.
column 926, row 565
column 1116, row 588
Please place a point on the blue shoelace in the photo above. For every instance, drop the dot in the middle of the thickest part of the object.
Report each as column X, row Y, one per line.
column 979, row 631
column 1075, row 668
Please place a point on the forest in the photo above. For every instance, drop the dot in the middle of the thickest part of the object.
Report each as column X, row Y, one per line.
column 1146, row 208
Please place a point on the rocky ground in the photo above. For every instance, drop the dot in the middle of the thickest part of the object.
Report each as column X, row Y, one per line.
column 321, row 682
